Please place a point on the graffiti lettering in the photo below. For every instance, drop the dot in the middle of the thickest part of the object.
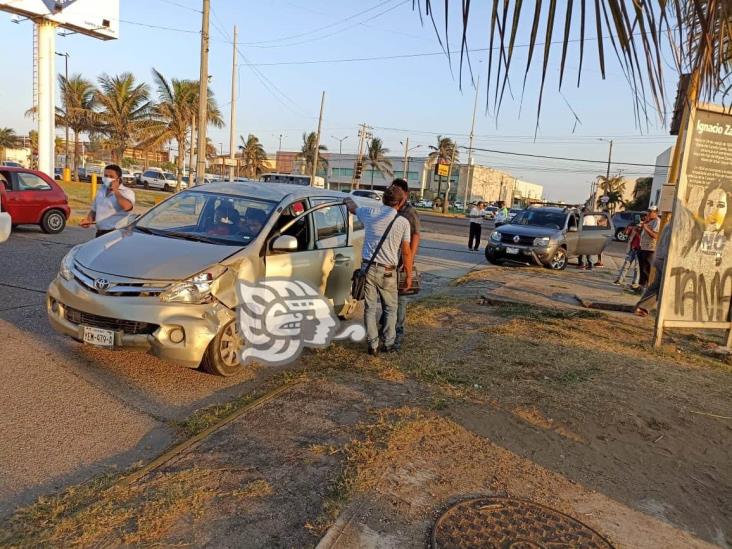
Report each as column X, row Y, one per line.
column 709, row 300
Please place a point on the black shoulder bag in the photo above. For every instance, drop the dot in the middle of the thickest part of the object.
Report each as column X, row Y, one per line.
column 358, row 281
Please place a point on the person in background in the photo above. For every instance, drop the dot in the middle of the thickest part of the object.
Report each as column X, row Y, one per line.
column 650, row 295
column 631, row 257
column 649, row 234
column 112, row 203
column 408, row 212
column 476, row 224
column 502, row 214
column 381, row 278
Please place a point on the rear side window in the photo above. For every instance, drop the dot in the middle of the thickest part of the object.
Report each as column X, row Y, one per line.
column 149, row 174
column 31, row 182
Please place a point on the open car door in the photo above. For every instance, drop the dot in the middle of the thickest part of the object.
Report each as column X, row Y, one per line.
column 596, row 231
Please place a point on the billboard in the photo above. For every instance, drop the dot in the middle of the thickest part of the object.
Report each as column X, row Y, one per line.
column 97, row 18
column 697, row 285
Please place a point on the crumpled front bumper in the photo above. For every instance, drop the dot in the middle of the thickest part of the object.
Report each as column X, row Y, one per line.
column 199, row 323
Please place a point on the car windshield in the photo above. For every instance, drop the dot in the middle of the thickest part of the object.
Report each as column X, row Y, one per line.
column 208, row 217
column 540, row 218
column 169, row 175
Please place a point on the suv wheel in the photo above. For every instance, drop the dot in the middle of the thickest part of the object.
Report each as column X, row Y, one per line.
column 491, row 257
column 53, row 222
column 621, row 235
column 222, row 355
column 146, row 185
column 166, row 188
column 559, row 261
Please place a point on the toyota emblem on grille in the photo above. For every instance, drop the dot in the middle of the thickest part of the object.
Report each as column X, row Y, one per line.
column 101, row 284
column 517, row 239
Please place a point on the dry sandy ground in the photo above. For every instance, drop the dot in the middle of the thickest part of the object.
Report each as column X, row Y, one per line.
column 568, row 408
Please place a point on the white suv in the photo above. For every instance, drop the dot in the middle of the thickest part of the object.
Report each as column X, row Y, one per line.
column 158, row 179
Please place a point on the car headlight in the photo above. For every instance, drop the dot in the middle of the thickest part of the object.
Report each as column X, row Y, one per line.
column 541, row 241
column 194, row 290
column 67, row 263
column 496, row 236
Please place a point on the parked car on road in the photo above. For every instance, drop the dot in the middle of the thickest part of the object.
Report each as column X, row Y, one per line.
column 11, row 164
column 549, row 236
column 33, row 198
column 490, row 212
column 423, row 204
column 622, row 220
column 155, row 178
column 128, row 178
column 168, row 282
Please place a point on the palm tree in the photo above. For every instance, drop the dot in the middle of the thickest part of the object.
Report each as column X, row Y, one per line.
column 172, row 115
column 699, row 32
column 7, row 140
column 614, row 188
column 124, row 113
column 442, row 153
column 253, row 157
column 215, row 119
column 78, row 100
column 376, row 159
column 307, row 153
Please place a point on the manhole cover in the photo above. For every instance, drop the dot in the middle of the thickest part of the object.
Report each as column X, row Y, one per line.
column 504, row 523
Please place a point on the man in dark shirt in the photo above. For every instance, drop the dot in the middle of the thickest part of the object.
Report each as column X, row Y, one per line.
column 409, row 212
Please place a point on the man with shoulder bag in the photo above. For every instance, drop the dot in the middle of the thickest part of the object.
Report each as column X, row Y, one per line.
column 386, row 235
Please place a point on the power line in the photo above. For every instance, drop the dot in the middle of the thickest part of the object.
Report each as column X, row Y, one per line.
column 562, row 158
column 172, row 3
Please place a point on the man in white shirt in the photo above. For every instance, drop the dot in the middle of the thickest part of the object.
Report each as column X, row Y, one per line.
column 381, row 278
column 502, row 214
column 112, row 203
column 476, row 223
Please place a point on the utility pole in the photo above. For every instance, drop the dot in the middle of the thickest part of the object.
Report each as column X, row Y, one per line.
column 609, row 159
column 203, row 96
column 278, row 150
column 317, row 142
column 469, row 171
column 232, row 121
column 405, row 166
column 363, row 135
column 66, row 79
column 46, row 37
column 192, row 148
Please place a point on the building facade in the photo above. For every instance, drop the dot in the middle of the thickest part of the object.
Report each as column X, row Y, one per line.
column 660, row 175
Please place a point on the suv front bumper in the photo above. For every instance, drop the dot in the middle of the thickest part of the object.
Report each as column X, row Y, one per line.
column 541, row 255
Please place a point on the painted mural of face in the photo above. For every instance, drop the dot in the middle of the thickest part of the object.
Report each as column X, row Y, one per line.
column 715, row 210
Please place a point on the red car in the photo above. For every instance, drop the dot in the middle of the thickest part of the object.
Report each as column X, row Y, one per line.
column 33, row 198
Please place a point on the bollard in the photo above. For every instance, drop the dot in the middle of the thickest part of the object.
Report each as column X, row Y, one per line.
column 67, row 175
column 93, row 187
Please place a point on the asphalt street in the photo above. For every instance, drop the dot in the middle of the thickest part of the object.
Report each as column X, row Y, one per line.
column 69, row 412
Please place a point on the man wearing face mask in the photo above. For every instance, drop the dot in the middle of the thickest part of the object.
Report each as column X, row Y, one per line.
column 112, row 203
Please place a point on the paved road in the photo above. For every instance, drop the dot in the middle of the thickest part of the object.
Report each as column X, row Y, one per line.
column 69, row 412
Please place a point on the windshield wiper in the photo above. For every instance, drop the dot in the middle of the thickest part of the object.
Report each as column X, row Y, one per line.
column 193, row 237
column 144, row 230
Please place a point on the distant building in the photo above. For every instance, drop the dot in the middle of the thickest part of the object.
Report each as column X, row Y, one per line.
column 525, row 193
column 660, row 175
column 486, row 184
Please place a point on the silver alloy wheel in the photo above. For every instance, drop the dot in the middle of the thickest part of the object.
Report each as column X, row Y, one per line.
column 559, row 260
column 55, row 221
column 229, row 344
column 621, row 236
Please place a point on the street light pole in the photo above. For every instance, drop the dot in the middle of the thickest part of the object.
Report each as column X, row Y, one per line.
column 468, row 175
column 66, row 80
column 405, row 170
column 340, row 143
column 203, row 94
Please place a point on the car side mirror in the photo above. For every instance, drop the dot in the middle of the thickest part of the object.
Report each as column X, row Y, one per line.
column 285, row 243
column 573, row 229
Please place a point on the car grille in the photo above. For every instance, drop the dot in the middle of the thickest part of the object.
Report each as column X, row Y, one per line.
column 118, row 287
column 127, row 326
column 523, row 240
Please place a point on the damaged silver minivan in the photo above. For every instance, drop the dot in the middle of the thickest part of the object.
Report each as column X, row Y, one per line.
column 167, row 282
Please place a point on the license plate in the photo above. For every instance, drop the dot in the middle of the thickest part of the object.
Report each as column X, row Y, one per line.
column 512, row 251
column 98, row 337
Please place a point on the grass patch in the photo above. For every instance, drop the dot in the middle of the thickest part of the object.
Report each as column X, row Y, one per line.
column 103, row 514
column 79, row 195
column 536, row 312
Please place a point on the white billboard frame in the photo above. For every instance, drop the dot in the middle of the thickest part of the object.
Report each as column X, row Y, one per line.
column 95, row 18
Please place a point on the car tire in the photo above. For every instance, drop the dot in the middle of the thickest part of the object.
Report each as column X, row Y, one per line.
column 559, row 261
column 621, row 236
column 166, row 188
column 146, row 185
column 492, row 259
column 53, row 222
column 222, row 354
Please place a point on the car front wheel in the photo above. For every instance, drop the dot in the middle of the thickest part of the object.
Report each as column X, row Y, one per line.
column 621, row 235
column 222, row 355
column 491, row 257
column 558, row 261
column 53, row 222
